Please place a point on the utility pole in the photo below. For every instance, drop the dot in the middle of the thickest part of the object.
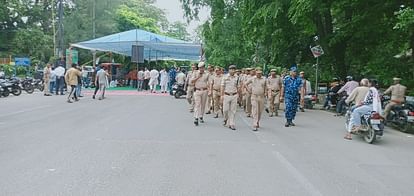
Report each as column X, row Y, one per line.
column 54, row 28
column 94, row 18
column 61, row 46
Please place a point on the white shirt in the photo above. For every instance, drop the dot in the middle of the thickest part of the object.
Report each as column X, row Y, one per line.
column 147, row 74
column 180, row 78
column 154, row 74
column 164, row 76
column 60, row 71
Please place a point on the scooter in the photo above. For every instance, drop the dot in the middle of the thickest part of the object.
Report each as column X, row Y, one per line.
column 178, row 91
column 372, row 126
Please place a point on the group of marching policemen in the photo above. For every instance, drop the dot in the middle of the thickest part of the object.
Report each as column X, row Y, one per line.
column 212, row 91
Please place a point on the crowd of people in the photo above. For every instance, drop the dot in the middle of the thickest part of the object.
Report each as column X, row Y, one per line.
column 210, row 91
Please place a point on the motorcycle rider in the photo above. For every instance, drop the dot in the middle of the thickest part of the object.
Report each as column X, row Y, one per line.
column 397, row 92
column 331, row 96
column 370, row 103
column 349, row 86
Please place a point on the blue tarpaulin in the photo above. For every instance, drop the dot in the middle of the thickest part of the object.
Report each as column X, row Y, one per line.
column 156, row 47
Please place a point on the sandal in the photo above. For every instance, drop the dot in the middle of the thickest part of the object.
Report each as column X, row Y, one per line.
column 348, row 138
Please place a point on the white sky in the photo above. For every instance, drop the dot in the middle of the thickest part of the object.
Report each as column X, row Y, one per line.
column 174, row 13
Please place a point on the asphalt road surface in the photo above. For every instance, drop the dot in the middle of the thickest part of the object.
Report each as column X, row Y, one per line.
column 131, row 144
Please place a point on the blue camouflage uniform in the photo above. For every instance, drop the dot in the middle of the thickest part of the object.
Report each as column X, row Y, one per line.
column 291, row 87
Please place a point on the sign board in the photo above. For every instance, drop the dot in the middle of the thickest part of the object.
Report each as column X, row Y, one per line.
column 22, row 61
column 317, row 51
column 137, row 55
column 72, row 56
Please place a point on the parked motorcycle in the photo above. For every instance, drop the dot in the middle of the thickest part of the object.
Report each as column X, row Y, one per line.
column 178, row 91
column 38, row 84
column 401, row 116
column 27, row 85
column 372, row 126
column 310, row 100
column 12, row 86
column 4, row 91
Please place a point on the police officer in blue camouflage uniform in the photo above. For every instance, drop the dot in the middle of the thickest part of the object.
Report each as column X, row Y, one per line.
column 290, row 93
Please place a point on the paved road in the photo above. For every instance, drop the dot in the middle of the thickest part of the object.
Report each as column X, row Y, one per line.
column 147, row 145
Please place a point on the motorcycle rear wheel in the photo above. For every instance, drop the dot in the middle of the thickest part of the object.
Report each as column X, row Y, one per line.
column 177, row 94
column 16, row 91
column 370, row 136
column 6, row 93
column 29, row 89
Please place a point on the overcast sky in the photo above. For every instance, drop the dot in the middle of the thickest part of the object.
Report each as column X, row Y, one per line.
column 174, row 13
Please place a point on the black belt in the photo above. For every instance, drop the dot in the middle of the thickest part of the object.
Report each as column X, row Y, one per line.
column 230, row 94
column 201, row 89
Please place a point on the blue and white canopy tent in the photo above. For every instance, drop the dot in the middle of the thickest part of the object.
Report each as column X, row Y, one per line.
column 156, row 47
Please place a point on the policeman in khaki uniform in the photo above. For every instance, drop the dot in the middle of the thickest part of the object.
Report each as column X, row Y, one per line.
column 209, row 102
column 243, row 80
column 215, row 88
column 397, row 95
column 274, row 84
column 258, row 92
column 230, row 88
column 200, row 81
column 190, row 87
column 46, row 79
column 248, row 88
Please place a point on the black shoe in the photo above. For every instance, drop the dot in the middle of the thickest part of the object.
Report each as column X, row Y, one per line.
column 196, row 122
column 93, row 96
column 225, row 122
column 292, row 124
column 267, row 110
column 255, row 129
column 216, row 116
column 208, row 112
column 201, row 120
column 287, row 124
column 69, row 101
column 302, row 110
column 232, row 128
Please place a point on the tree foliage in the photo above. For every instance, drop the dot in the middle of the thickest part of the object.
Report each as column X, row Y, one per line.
column 360, row 37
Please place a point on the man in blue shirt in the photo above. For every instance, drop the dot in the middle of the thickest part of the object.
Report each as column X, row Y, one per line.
column 290, row 93
column 171, row 74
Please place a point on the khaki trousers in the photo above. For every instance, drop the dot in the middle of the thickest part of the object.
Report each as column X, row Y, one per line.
column 274, row 101
column 200, row 97
column 229, row 109
column 216, row 102
column 190, row 96
column 257, row 108
column 388, row 108
column 248, row 103
column 47, row 86
column 209, row 102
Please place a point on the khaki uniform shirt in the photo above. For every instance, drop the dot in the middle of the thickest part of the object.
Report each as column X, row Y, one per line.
column 258, row 85
column 46, row 73
column 397, row 92
column 216, row 82
column 230, row 84
column 189, row 77
column 202, row 82
column 274, row 84
column 249, row 84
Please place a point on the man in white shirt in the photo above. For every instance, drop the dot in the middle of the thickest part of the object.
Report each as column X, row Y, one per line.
column 147, row 77
column 180, row 78
column 60, row 78
column 164, row 80
column 153, row 80
column 141, row 76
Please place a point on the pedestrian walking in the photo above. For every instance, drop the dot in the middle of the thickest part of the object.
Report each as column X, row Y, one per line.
column 258, row 92
column 215, row 87
column 304, row 90
column 248, row 88
column 209, row 101
column 147, row 78
column 60, row 79
column 190, row 87
column 290, row 93
column 140, row 77
column 200, row 81
column 79, row 86
column 101, row 80
column 230, row 88
column 274, row 84
column 164, row 80
column 154, row 74
column 46, row 79
column 52, row 81
column 71, row 78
